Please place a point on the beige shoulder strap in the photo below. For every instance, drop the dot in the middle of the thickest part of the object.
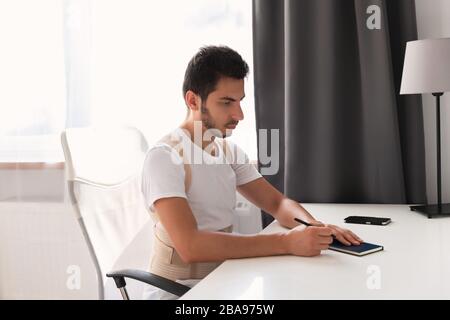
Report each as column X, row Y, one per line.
column 178, row 146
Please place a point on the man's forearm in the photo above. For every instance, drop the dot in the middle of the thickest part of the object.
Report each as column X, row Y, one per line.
column 218, row 246
column 289, row 209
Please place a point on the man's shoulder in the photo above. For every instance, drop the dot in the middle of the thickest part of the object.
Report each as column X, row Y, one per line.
column 170, row 139
column 166, row 146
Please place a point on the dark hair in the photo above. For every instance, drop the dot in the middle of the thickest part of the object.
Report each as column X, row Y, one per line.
column 209, row 65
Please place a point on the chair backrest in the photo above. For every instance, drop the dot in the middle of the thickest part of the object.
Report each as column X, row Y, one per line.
column 103, row 171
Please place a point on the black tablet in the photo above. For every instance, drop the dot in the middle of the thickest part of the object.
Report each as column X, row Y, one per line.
column 368, row 220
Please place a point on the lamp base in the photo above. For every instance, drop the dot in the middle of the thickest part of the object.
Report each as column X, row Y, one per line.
column 433, row 210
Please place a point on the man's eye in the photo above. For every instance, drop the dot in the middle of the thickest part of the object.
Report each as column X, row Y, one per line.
column 227, row 103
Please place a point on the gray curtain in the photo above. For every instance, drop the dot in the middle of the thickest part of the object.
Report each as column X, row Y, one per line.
column 330, row 85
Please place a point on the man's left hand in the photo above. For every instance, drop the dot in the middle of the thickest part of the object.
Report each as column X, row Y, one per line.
column 345, row 236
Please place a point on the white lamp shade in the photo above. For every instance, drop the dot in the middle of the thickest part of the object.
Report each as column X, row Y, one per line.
column 427, row 66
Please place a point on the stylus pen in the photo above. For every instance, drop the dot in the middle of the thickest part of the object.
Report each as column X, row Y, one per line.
column 309, row 225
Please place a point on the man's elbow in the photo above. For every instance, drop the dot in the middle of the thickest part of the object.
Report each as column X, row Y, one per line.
column 190, row 256
column 188, row 251
column 187, row 256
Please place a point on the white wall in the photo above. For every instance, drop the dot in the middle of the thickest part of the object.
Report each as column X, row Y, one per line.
column 38, row 242
column 42, row 249
column 31, row 184
column 433, row 21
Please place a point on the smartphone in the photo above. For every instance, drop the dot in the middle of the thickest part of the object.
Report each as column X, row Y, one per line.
column 368, row 220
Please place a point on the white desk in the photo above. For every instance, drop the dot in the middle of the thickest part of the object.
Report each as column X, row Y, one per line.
column 415, row 263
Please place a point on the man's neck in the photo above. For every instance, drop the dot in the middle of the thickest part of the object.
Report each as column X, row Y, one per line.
column 189, row 126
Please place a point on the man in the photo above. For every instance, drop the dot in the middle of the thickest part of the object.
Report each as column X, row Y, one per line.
column 192, row 202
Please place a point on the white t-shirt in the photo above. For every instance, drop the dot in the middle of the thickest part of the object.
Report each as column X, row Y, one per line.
column 212, row 192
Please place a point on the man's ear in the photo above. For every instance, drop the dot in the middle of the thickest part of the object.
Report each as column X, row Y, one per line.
column 193, row 101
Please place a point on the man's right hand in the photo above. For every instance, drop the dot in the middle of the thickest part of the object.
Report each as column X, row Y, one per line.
column 308, row 241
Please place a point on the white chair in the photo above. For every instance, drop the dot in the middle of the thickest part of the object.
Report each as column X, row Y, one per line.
column 103, row 171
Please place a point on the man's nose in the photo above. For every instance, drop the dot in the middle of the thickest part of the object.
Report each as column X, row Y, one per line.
column 238, row 115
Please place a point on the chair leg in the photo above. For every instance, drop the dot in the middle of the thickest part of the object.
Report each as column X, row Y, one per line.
column 120, row 284
column 124, row 293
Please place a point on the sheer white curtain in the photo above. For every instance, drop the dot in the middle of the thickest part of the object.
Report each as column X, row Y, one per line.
column 32, row 81
column 141, row 50
column 72, row 63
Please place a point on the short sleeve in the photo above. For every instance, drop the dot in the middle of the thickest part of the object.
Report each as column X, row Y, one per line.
column 244, row 170
column 162, row 175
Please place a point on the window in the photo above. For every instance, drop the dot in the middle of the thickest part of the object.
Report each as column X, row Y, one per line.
column 75, row 63
column 140, row 53
column 32, row 82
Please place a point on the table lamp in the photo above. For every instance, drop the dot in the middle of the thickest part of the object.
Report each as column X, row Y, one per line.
column 427, row 70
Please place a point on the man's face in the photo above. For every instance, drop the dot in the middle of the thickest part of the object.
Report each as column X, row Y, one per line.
column 222, row 109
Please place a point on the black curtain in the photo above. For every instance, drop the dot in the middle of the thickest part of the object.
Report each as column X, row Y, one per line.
column 331, row 86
